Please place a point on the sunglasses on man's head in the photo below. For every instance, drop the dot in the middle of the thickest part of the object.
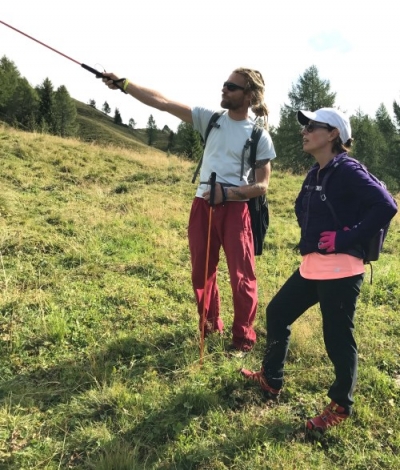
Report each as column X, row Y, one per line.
column 313, row 125
column 232, row 86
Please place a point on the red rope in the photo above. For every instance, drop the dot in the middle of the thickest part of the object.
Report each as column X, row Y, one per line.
column 42, row 43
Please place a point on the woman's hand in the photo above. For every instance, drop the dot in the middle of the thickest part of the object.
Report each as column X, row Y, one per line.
column 328, row 240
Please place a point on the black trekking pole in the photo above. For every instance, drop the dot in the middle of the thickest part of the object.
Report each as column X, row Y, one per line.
column 98, row 74
column 211, row 182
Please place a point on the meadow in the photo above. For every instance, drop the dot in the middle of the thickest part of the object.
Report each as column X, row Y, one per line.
column 99, row 347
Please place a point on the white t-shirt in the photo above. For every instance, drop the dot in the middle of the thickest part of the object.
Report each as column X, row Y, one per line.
column 223, row 152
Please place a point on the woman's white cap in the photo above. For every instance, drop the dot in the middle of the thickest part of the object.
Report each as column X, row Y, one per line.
column 331, row 116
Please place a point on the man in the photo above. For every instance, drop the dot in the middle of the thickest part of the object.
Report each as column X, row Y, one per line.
column 231, row 225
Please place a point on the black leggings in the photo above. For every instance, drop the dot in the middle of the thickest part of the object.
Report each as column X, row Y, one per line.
column 337, row 299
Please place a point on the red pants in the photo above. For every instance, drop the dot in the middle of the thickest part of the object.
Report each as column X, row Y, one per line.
column 231, row 229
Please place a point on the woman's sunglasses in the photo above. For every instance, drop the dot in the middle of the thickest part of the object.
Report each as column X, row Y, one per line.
column 313, row 125
column 232, row 86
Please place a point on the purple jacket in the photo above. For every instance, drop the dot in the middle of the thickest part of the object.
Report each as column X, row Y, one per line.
column 360, row 203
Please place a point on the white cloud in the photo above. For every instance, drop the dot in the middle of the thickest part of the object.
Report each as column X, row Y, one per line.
column 330, row 40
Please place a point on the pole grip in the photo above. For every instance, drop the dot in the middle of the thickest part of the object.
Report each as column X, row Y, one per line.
column 92, row 70
column 98, row 74
column 212, row 179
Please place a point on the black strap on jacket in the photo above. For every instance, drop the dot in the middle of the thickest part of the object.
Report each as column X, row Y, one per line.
column 211, row 123
column 251, row 143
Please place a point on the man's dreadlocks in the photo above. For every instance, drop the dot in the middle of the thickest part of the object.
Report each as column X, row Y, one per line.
column 256, row 85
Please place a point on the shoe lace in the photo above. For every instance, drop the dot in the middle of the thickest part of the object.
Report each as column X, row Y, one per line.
column 259, row 377
column 331, row 416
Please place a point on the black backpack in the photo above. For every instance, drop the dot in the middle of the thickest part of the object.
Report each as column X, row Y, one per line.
column 258, row 206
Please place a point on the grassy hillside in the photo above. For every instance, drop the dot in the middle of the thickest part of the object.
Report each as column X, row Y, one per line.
column 99, row 348
column 97, row 127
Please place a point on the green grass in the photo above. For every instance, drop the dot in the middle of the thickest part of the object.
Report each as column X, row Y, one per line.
column 99, row 128
column 99, row 348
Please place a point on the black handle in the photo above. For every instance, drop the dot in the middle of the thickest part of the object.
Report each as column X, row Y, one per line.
column 101, row 75
column 211, row 182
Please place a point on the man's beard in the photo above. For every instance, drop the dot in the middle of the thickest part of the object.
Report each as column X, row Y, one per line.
column 227, row 104
column 224, row 104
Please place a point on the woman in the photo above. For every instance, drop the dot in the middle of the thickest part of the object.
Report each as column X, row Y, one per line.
column 332, row 268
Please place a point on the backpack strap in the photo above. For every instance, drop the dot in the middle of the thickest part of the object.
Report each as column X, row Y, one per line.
column 322, row 190
column 251, row 142
column 211, row 124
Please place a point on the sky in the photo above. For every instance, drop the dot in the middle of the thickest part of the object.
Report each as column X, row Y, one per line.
column 186, row 49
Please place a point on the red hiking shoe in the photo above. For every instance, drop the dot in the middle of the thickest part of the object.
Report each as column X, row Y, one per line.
column 332, row 415
column 243, row 345
column 259, row 377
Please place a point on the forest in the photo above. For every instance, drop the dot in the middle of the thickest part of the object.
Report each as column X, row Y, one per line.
column 376, row 139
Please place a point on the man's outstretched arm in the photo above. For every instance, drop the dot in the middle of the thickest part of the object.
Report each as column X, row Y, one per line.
column 151, row 98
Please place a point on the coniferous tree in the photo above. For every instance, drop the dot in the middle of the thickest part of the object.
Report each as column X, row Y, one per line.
column 385, row 122
column 151, row 129
column 387, row 159
column 369, row 143
column 64, row 113
column 106, row 108
column 171, row 141
column 23, row 106
column 396, row 151
column 376, row 146
column 310, row 93
column 18, row 100
column 46, row 106
column 117, row 117
column 396, row 110
column 188, row 141
column 9, row 76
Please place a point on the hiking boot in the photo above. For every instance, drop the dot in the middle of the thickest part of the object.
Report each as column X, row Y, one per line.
column 234, row 352
column 243, row 345
column 332, row 415
column 210, row 328
column 259, row 377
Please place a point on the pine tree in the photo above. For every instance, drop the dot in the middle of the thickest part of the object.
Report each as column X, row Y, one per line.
column 151, row 129
column 23, row 106
column 391, row 134
column 9, row 76
column 64, row 113
column 369, row 143
column 385, row 122
column 310, row 93
column 18, row 100
column 396, row 110
column 188, row 142
column 396, row 147
column 106, row 108
column 376, row 145
column 117, row 117
column 171, row 140
column 46, row 107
